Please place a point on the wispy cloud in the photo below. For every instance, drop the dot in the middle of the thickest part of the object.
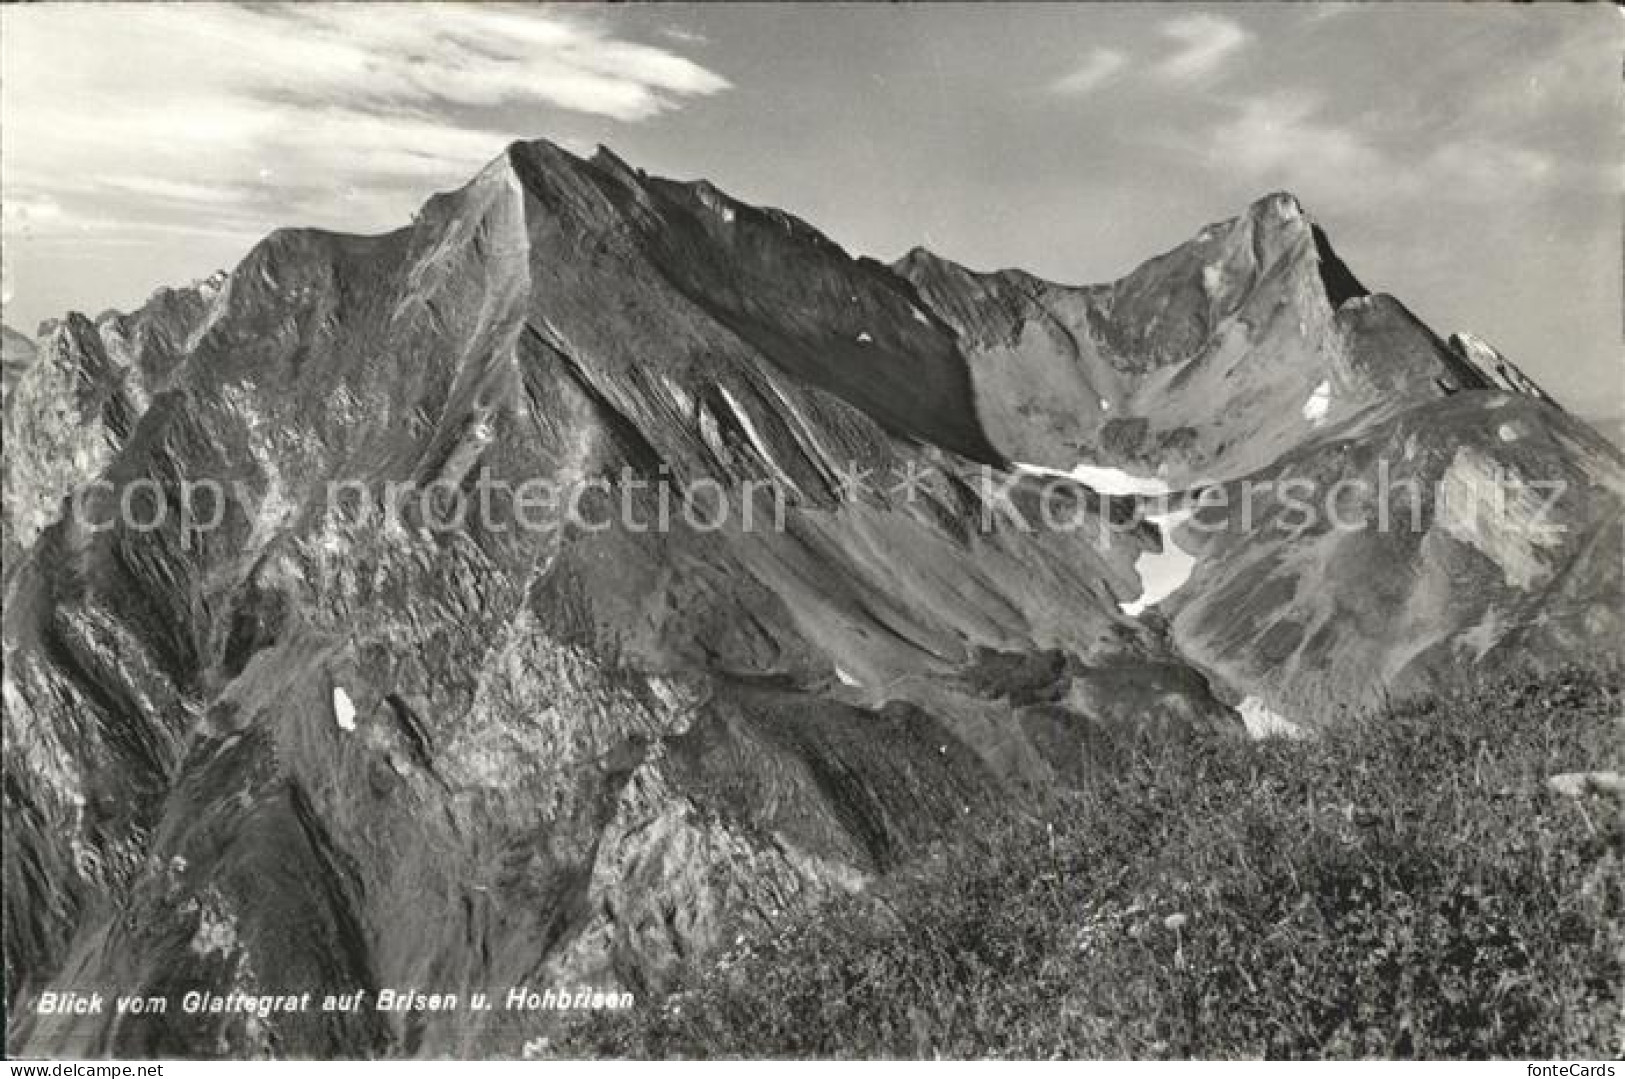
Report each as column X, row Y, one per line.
column 482, row 55
column 1288, row 140
column 242, row 117
column 1281, row 133
column 1483, row 170
column 1100, row 67
column 1206, row 42
column 25, row 210
column 1331, row 9
column 684, row 35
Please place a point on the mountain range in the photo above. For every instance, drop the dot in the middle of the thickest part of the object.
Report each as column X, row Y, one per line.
column 359, row 750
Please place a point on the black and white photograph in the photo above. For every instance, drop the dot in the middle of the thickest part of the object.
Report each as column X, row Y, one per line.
column 584, row 532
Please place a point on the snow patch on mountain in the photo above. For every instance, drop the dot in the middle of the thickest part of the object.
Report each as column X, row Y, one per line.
column 1108, row 481
column 1114, row 481
column 343, row 709
column 1319, row 403
column 1164, row 572
column 1161, row 573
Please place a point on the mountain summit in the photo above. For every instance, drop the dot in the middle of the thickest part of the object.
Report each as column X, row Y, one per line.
column 329, row 742
column 1207, row 362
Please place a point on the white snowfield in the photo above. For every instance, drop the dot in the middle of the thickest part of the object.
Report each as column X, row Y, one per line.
column 1319, row 403
column 1114, row 481
column 343, row 709
column 1108, row 481
column 1164, row 573
column 1161, row 573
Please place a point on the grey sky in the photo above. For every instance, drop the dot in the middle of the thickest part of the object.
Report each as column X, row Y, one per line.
column 1464, row 157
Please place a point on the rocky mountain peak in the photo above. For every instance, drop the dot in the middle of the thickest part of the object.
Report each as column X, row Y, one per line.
column 605, row 158
column 1277, row 226
column 1281, row 211
column 1257, row 309
column 66, row 416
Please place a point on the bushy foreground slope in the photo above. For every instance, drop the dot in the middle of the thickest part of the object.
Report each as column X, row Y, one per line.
column 1407, row 885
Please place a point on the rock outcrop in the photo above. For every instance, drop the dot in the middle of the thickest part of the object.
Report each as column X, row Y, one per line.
column 1494, row 368
column 65, row 419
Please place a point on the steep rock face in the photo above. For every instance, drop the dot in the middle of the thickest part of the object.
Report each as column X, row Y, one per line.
column 156, row 336
column 325, row 745
column 1205, row 363
column 1478, row 529
column 68, row 415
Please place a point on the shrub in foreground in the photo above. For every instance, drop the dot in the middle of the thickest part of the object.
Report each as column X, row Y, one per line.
column 1405, row 885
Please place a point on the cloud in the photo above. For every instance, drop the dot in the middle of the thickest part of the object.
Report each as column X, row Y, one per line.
column 238, row 119
column 1331, row 9
column 177, row 191
column 1288, row 141
column 479, row 55
column 1484, row 170
column 687, row 37
column 1100, row 67
column 1207, row 40
column 24, row 211
column 1283, row 134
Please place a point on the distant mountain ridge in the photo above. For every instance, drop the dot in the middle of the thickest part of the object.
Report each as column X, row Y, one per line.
column 338, row 749
column 17, row 357
column 73, row 410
